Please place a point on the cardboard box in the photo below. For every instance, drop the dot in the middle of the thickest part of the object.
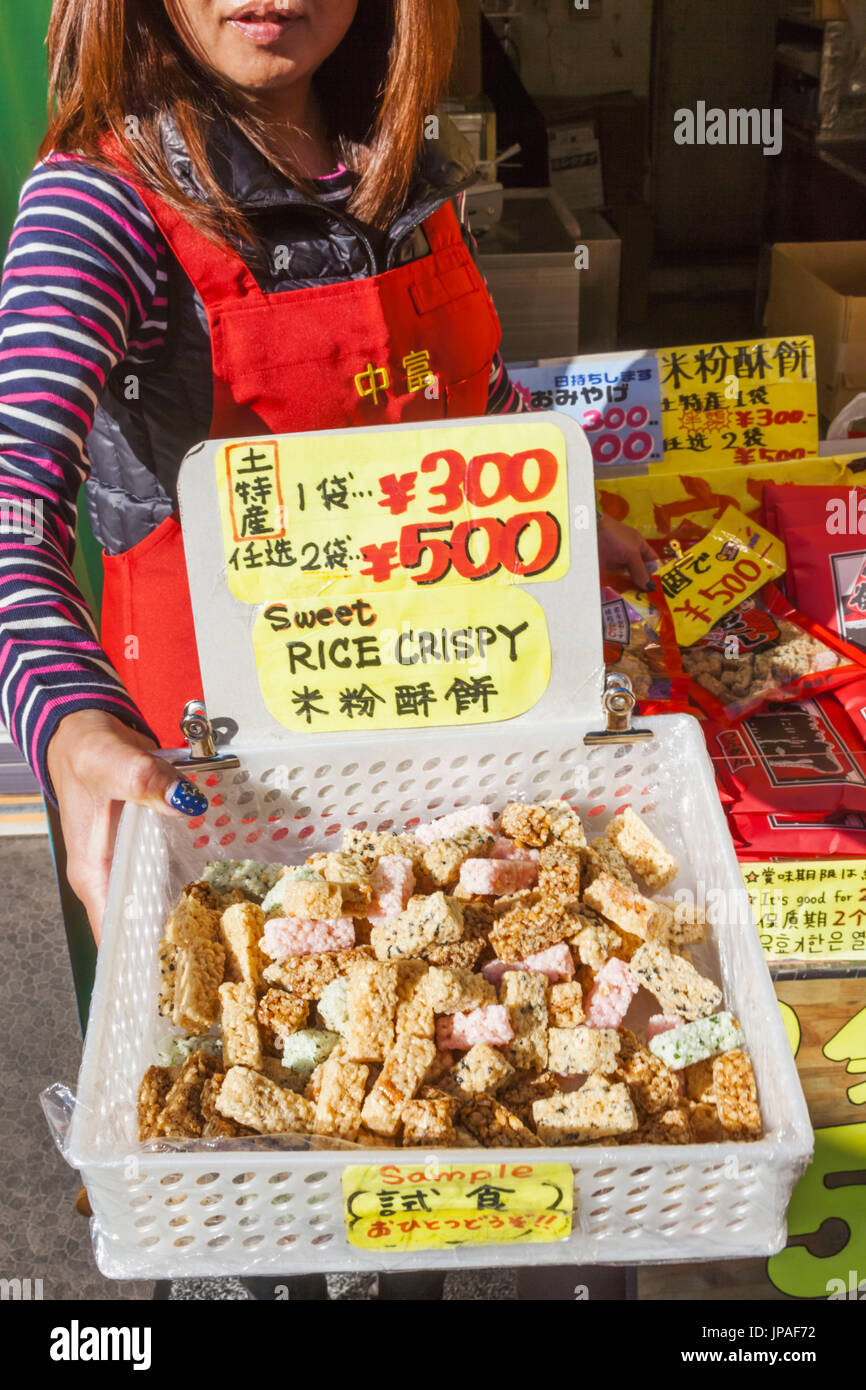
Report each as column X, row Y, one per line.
column 621, row 123
column 574, row 156
column 819, row 287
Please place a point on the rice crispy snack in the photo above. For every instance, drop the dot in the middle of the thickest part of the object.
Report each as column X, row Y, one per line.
column 398, row 1081
column 736, row 1095
column 599, row 1110
column 525, row 997
column 469, row 984
column 241, row 927
column 642, row 851
column 536, row 825
column 433, row 920
column 242, row 1042
column 482, row 1068
column 495, row 1126
column 674, row 982
column 253, row 1100
column 341, row 1097
column 428, row 1121
column 372, row 1005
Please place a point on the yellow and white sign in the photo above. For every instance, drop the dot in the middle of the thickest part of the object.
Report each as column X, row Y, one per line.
column 738, row 403
column 402, row 660
column 392, row 510
column 438, row 1206
column 809, row 909
column 734, row 559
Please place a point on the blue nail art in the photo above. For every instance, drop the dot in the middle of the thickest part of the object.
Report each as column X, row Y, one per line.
column 186, row 797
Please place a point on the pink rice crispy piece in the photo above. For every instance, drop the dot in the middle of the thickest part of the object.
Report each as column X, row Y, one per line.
column 393, row 884
column 489, row 1024
column 306, row 936
column 662, row 1023
column 503, row 848
column 447, row 826
column 497, row 876
column 608, row 1001
column 557, row 963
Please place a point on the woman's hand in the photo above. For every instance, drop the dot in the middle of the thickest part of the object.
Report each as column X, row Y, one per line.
column 622, row 547
column 96, row 764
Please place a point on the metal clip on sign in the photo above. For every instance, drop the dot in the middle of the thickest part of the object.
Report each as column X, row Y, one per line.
column 618, row 701
column 196, row 729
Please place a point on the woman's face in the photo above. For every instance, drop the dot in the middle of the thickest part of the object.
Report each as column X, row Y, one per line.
column 262, row 45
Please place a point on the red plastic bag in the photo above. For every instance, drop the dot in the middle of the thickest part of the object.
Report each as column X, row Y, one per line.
column 828, row 574
column 786, row 507
column 798, row 756
column 639, row 641
column 765, row 650
column 798, row 837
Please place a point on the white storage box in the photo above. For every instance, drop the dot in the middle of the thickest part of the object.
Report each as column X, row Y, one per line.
column 239, row 1206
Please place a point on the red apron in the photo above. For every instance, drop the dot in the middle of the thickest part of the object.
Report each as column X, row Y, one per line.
column 287, row 362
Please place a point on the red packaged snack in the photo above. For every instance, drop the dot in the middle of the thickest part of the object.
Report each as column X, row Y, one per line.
column 828, row 574
column 639, row 641
column 842, row 835
column 799, row 756
column 765, row 650
column 785, row 507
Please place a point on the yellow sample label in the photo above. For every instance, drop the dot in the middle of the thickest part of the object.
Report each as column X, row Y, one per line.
column 434, row 1205
column 738, row 403
column 809, row 909
column 393, row 661
column 421, row 509
column 735, row 559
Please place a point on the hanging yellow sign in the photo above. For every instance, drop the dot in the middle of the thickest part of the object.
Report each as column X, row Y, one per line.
column 439, row 1206
column 734, row 559
column 312, row 515
column 738, row 403
column 391, row 661
column 810, row 909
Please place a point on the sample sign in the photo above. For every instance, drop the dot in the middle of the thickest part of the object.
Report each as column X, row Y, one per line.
column 734, row 559
column 438, row 1206
column 615, row 398
column 738, row 403
column 809, row 908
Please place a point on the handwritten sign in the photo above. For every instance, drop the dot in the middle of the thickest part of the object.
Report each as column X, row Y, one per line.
column 810, row 909
column 738, row 403
column 461, row 507
column 386, row 661
column 734, row 559
column 615, row 398
column 436, row 1207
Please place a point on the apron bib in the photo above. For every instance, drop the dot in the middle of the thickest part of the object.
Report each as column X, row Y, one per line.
column 349, row 354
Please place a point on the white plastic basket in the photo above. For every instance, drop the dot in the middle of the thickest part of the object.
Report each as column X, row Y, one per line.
column 225, row 1209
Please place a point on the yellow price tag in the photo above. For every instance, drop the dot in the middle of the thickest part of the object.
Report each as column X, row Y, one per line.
column 734, row 559
column 400, row 660
column 438, row 1206
column 809, row 909
column 318, row 516
column 738, row 403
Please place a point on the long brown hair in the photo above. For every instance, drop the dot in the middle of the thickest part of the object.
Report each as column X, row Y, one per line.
column 112, row 60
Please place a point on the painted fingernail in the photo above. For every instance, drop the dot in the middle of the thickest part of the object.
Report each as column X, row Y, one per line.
column 186, row 797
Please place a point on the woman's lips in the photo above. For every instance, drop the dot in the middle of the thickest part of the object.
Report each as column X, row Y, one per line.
column 263, row 31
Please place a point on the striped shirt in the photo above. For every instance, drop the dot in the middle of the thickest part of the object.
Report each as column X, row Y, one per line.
column 83, row 290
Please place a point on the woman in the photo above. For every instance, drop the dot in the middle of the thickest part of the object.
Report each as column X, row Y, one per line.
column 234, row 196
